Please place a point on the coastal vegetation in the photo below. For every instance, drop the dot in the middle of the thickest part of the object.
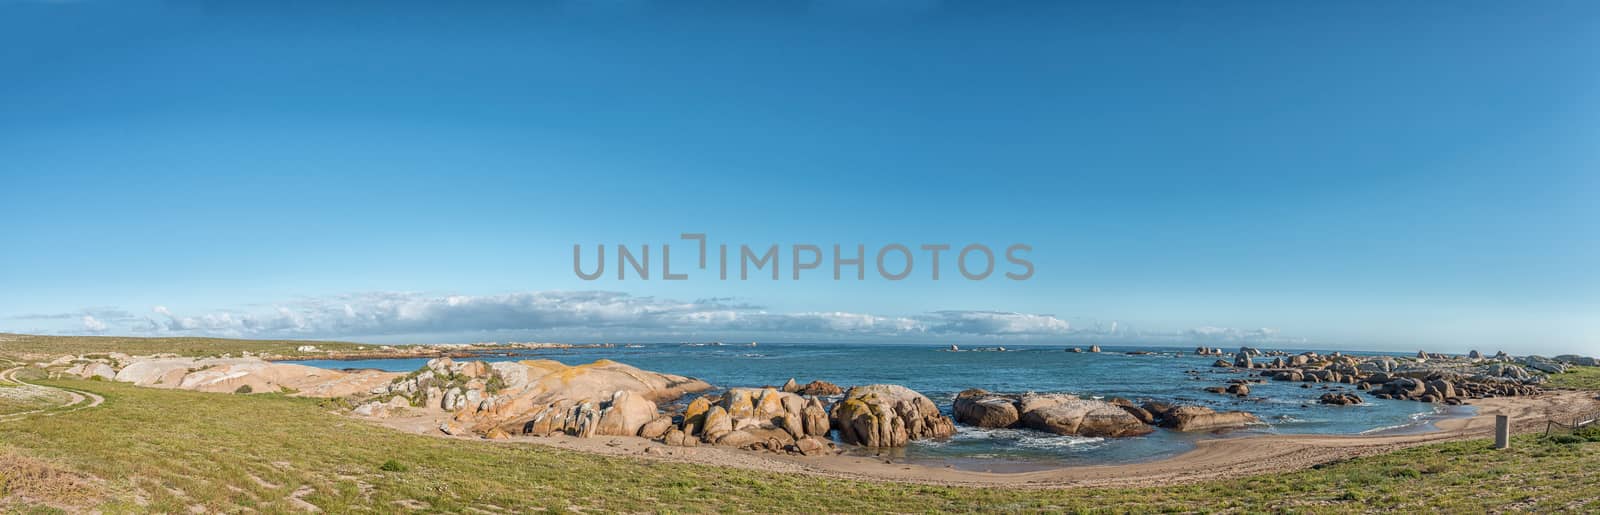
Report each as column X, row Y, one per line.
column 28, row 346
column 164, row 450
column 170, row 450
column 1579, row 378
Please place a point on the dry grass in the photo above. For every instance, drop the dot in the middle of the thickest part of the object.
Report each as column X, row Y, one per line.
column 25, row 347
column 27, row 481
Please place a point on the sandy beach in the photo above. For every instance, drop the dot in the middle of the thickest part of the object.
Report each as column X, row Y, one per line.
column 1218, row 458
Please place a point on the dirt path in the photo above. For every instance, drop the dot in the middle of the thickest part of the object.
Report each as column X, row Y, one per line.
column 76, row 399
column 1220, row 458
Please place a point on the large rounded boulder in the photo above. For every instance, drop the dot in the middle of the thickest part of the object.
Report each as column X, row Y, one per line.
column 627, row 413
column 982, row 409
column 1066, row 415
column 887, row 415
column 1199, row 418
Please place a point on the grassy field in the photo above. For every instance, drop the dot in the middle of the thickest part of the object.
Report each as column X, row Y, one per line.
column 1581, row 378
column 14, row 399
column 164, row 450
column 17, row 398
column 34, row 347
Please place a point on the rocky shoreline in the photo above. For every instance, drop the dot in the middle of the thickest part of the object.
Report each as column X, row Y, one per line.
column 1428, row 377
column 539, row 398
column 543, row 398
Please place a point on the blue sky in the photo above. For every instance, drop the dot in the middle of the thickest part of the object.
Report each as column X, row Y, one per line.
column 1367, row 175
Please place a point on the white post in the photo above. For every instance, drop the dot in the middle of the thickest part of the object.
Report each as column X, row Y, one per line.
column 1502, row 432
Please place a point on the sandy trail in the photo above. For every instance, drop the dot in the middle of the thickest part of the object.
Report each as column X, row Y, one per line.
column 76, row 399
column 1219, row 458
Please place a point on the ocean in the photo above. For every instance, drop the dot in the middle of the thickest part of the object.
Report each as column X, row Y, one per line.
column 934, row 371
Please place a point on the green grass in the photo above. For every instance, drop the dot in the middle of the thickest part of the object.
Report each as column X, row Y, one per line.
column 34, row 347
column 17, row 401
column 1580, row 378
column 173, row 450
column 1587, row 434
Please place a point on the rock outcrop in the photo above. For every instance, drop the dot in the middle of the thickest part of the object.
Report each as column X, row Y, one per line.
column 757, row 419
column 1427, row 378
column 625, row 414
column 1081, row 417
column 1055, row 413
column 231, row 375
column 980, row 408
column 885, row 415
column 818, row 389
column 100, row 371
column 544, row 396
column 1199, row 418
column 1574, row 359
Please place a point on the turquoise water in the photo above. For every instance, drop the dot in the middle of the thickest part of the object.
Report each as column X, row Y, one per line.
column 940, row 374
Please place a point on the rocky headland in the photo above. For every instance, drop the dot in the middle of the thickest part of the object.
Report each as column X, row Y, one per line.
column 1427, row 377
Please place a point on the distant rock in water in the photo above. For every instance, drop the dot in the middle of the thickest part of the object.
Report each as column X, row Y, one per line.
column 886, row 415
column 1339, row 399
column 1238, row 389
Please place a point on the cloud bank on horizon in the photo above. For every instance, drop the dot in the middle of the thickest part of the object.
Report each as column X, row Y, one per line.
column 601, row 315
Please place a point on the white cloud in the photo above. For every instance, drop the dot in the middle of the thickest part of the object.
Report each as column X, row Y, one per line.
column 598, row 315
column 90, row 324
column 598, row 312
column 997, row 323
